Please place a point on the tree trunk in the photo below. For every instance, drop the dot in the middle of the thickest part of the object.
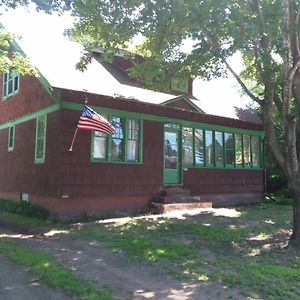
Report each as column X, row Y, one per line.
column 295, row 237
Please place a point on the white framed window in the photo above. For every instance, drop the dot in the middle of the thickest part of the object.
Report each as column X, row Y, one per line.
column 11, row 138
column 11, row 83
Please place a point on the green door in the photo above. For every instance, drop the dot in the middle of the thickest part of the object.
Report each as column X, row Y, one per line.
column 172, row 162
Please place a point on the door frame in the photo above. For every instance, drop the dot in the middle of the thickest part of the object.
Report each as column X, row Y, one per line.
column 173, row 128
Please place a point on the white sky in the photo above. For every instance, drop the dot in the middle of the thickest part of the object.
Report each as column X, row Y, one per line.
column 217, row 97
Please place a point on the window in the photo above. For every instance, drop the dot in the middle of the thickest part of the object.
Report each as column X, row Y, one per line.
column 209, row 148
column 100, row 145
column 117, row 150
column 238, row 150
column 255, row 147
column 122, row 146
column 219, row 147
column 11, row 138
column 199, row 147
column 11, row 82
column 247, row 150
column 229, row 149
column 133, row 140
column 40, row 139
column 187, row 146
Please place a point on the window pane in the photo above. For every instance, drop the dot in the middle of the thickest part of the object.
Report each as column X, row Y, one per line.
column 10, row 86
column 238, row 150
column 209, row 151
column 229, row 152
column 118, row 139
column 133, row 140
column 187, row 146
column 199, row 151
column 40, row 138
column 247, row 152
column 11, row 134
column 219, row 148
column 255, row 144
column 171, row 150
column 16, row 83
column 100, row 141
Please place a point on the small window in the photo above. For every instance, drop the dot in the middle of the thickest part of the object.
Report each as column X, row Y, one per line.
column 11, row 83
column 229, row 149
column 187, row 146
column 117, row 151
column 100, row 145
column 255, row 147
column 219, row 148
column 238, row 150
column 209, row 148
column 199, row 147
column 247, row 150
column 11, row 138
column 133, row 140
column 40, row 139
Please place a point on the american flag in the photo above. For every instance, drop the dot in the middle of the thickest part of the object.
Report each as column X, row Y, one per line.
column 91, row 120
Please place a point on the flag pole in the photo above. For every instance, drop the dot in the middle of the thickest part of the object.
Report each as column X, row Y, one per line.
column 71, row 147
column 75, row 133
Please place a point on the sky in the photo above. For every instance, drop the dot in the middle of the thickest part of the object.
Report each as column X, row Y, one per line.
column 217, row 97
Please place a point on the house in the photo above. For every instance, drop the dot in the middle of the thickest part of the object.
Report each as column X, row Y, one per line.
column 163, row 142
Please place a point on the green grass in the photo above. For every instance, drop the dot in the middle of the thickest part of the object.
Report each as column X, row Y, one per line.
column 217, row 252
column 22, row 220
column 51, row 273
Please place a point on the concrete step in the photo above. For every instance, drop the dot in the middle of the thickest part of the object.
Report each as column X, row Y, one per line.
column 161, row 208
column 174, row 191
column 182, row 199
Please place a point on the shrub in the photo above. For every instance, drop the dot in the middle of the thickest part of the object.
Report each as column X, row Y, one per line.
column 25, row 209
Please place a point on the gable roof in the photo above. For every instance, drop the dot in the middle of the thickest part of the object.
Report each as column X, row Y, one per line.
column 57, row 64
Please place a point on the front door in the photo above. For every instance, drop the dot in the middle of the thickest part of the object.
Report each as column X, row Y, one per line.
column 172, row 162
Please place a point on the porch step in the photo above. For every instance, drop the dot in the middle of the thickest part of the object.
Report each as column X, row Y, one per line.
column 170, row 198
column 162, row 208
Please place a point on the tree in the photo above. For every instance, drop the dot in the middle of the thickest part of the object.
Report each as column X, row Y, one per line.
column 11, row 59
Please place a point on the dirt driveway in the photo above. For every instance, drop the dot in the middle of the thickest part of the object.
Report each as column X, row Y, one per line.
column 127, row 278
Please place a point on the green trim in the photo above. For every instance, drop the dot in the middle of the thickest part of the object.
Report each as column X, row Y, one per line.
column 183, row 97
column 229, row 167
column 11, row 138
column 148, row 117
column 109, row 139
column 30, row 116
column 43, row 119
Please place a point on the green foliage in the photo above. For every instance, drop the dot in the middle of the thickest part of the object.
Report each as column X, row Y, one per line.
column 52, row 273
column 24, row 208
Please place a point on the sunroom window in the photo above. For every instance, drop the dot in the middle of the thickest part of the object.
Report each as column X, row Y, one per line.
column 11, row 83
column 209, row 148
column 219, row 147
column 187, row 146
column 229, row 149
column 247, row 150
column 239, row 150
column 255, row 147
column 199, row 147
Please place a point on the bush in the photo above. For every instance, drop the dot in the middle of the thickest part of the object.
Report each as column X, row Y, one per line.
column 25, row 209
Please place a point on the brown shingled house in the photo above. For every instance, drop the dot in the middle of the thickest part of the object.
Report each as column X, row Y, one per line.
column 164, row 143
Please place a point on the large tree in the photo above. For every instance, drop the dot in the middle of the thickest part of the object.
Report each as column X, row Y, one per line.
column 264, row 32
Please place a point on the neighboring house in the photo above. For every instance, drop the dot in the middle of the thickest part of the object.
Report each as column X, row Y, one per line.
column 161, row 140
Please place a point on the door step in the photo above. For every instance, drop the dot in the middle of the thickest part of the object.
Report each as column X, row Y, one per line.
column 170, row 198
column 162, row 208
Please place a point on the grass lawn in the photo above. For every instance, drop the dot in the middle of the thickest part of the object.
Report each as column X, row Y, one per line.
column 245, row 250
